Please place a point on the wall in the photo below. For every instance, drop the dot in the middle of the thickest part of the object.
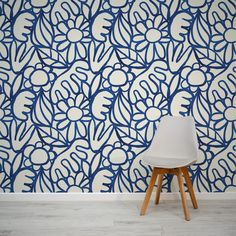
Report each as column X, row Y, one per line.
column 84, row 83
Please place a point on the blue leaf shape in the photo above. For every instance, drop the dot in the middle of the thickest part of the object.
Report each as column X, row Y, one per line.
column 43, row 110
column 51, row 136
column 201, row 110
column 208, row 57
column 121, row 33
column 122, row 183
column 43, row 32
column 209, row 136
column 121, row 112
column 17, row 163
column 200, row 32
column 16, row 86
column 43, row 183
column 130, row 136
column 129, row 57
column 52, row 58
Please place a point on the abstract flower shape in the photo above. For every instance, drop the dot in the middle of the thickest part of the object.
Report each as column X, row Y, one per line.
column 72, row 38
column 225, row 38
column 196, row 6
column 79, row 183
column 5, row 114
column 149, row 112
column 196, row 77
column 116, row 6
column 5, row 35
column 117, row 77
column 117, row 156
column 72, row 116
column 151, row 37
column 225, row 116
column 38, row 156
column 39, row 77
column 39, row 6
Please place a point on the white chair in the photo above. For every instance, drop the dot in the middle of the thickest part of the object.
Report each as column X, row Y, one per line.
column 173, row 149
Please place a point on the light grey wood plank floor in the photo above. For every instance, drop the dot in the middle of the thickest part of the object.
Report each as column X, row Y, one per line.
column 116, row 218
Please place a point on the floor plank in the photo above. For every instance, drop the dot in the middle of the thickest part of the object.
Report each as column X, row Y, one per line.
column 115, row 218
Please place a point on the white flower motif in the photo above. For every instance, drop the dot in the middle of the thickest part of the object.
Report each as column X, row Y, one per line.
column 79, row 183
column 72, row 116
column 117, row 156
column 196, row 77
column 225, row 38
column 196, row 5
column 38, row 156
column 39, row 5
column 5, row 35
column 116, row 6
column 39, row 77
column 151, row 38
column 117, row 77
column 5, row 114
column 150, row 111
column 72, row 38
column 225, row 116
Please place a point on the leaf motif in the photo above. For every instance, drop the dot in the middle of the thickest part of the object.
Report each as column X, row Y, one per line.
column 95, row 84
column 200, row 32
column 130, row 58
column 51, row 136
column 130, row 136
column 209, row 136
column 7, row 10
column 208, row 58
column 17, row 5
column 96, row 4
column 122, row 183
column 174, row 6
column 42, row 111
column 96, row 162
column 43, row 32
column 43, row 183
column 201, row 110
column 16, row 86
column 121, row 112
column 51, row 57
column 17, row 162
column 174, row 84
column 121, row 33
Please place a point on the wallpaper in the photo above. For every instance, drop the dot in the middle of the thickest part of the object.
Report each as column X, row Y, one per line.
column 84, row 84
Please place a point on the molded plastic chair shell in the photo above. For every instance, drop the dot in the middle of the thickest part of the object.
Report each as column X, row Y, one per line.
column 174, row 144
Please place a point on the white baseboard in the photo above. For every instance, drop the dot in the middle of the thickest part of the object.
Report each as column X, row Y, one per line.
column 107, row 196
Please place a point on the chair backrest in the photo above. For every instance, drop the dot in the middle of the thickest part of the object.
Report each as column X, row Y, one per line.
column 175, row 138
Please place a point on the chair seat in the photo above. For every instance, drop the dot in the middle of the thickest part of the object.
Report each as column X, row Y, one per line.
column 168, row 163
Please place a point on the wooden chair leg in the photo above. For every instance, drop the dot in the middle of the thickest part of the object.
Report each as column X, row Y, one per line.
column 190, row 187
column 183, row 195
column 149, row 191
column 159, row 185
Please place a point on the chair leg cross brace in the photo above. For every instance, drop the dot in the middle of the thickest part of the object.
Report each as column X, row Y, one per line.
column 178, row 172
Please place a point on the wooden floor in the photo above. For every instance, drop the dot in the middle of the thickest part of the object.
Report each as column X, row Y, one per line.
column 113, row 218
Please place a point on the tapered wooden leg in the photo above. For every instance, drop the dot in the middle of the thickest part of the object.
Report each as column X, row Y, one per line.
column 190, row 187
column 149, row 191
column 183, row 195
column 159, row 185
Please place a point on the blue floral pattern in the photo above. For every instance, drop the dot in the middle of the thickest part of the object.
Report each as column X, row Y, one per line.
column 83, row 85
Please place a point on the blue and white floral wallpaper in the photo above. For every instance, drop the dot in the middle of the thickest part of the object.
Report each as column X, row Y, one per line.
column 83, row 85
